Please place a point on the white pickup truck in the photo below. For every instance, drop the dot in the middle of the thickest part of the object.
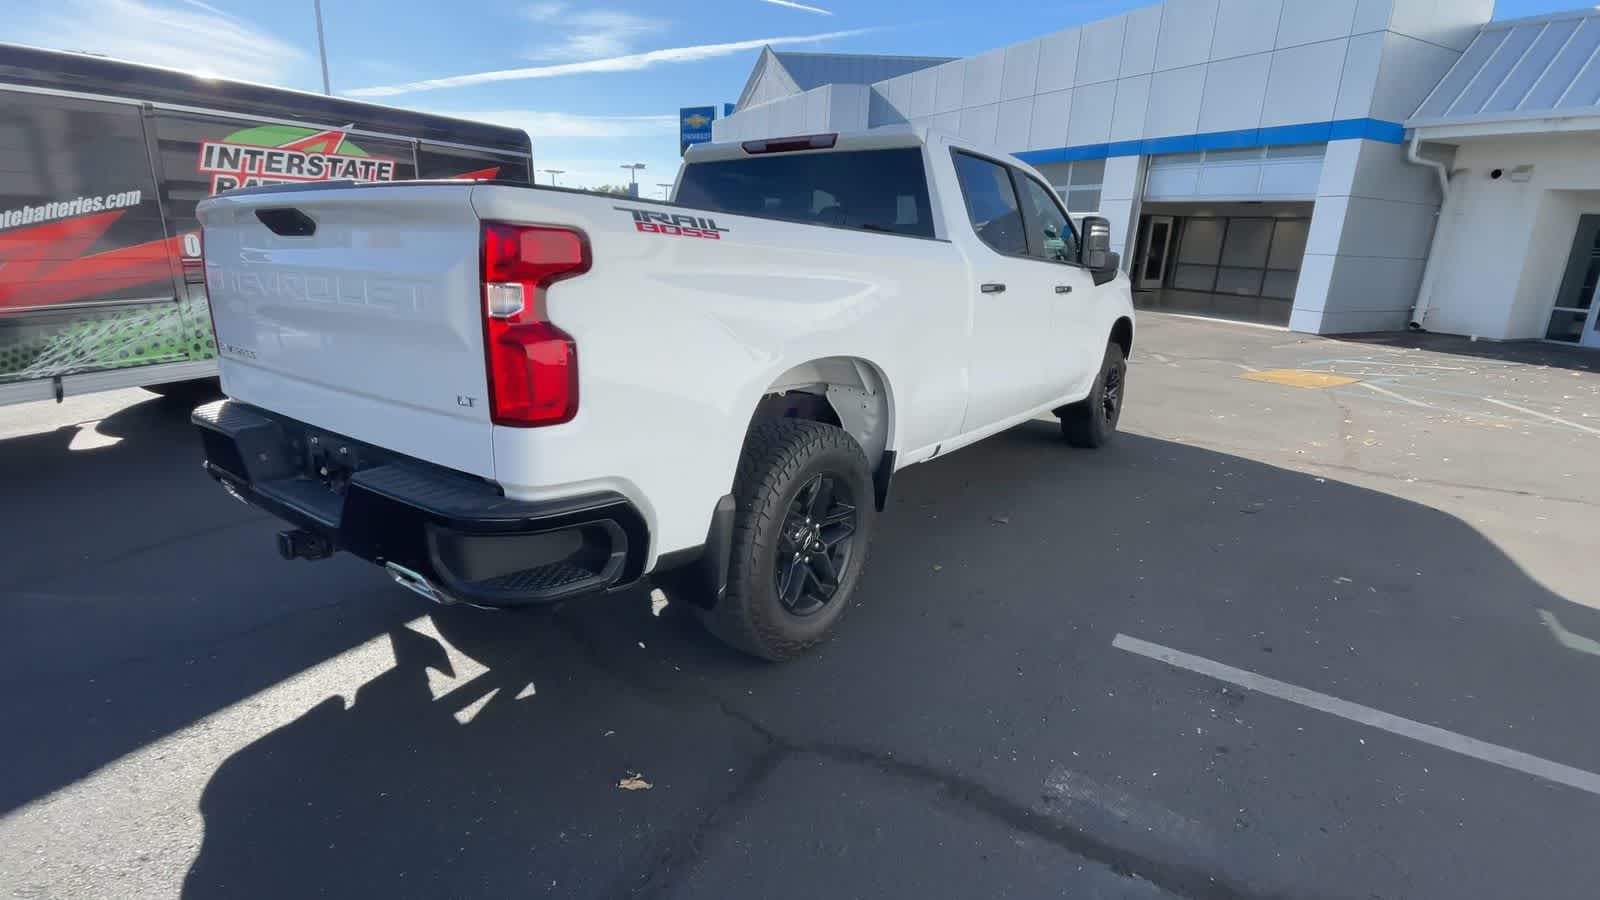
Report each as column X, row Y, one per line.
column 512, row 395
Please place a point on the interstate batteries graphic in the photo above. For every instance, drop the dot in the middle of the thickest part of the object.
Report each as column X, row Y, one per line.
column 285, row 154
column 112, row 246
column 80, row 229
column 57, row 254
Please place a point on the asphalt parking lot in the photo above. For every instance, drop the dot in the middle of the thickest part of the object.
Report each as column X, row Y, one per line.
column 1335, row 640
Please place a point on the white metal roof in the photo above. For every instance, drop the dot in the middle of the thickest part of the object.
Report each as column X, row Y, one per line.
column 1540, row 67
column 805, row 71
column 811, row 70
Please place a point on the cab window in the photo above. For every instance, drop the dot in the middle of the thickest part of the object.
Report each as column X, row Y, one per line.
column 991, row 203
column 1050, row 234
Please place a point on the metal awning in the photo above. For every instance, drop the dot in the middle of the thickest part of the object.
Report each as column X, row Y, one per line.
column 1542, row 67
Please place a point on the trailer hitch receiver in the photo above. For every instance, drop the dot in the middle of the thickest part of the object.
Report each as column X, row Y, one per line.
column 298, row 544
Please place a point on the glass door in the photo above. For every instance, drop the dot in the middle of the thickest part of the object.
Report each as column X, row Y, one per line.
column 1151, row 272
column 1573, row 319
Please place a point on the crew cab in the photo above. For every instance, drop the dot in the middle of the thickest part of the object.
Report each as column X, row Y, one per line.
column 508, row 395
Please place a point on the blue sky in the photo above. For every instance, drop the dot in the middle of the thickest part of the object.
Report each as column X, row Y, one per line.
column 609, row 75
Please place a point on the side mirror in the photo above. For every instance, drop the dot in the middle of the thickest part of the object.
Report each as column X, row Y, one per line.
column 1096, row 253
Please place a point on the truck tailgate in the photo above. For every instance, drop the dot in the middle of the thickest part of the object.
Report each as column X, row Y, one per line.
column 356, row 309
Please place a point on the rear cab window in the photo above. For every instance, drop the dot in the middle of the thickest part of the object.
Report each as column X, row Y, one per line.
column 884, row 191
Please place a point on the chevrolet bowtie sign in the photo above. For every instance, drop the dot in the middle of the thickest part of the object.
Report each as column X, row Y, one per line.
column 694, row 125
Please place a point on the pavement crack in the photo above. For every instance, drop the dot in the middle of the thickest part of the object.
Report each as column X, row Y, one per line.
column 961, row 792
column 121, row 556
column 968, row 794
column 211, row 645
column 682, row 854
column 1348, row 454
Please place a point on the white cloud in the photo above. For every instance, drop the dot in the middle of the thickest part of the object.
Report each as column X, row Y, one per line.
column 628, row 63
column 589, row 33
column 190, row 35
column 800, row 6
column 564, row 125
column 545, row 12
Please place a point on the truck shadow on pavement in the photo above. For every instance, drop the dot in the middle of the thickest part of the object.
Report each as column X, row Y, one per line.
column 140, row 598
column 491, row 759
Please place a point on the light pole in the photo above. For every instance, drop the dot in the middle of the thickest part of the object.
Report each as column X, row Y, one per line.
column 322, row 48
column 553, row 173
column 633, row 176
column 666, row 189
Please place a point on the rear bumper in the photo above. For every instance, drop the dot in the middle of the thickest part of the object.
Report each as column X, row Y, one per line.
column 446, row 535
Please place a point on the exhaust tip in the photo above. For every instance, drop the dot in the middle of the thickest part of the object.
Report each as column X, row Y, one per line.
column 414, row 582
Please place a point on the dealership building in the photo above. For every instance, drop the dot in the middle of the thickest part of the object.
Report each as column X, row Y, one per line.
column 1332, row 165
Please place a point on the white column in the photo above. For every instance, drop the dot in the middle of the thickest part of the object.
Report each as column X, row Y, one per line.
column 1370, row 235
column 1119, row 199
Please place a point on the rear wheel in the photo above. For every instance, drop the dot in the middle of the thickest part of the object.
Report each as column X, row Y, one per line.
column 1092, row 421
column 802, row 525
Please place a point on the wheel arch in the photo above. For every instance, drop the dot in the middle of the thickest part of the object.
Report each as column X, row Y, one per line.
column 850, row 392
column 1122, row 335
column 855, row 395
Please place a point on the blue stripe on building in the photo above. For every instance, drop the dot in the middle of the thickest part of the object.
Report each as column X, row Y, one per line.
column 1279, row 136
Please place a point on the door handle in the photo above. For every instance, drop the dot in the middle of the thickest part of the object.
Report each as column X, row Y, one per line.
column 992, row 287
column 1063, row 288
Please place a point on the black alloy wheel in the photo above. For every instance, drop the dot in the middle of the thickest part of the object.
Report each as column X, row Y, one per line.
column 818, row 537
column 1111, row 396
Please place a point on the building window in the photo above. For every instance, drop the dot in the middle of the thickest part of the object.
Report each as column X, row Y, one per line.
column 1077, row 182
column 1284, row 172
column 1250, row 257
column 1579, row 286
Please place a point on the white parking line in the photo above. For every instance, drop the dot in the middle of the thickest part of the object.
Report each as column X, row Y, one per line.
column 1366, row 715
column 1534, row 412
column 1391, row 362
column 1216, row 320
column 1567, row 638
column 1388, row 393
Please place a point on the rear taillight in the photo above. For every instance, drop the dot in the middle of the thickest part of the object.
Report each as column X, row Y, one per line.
column 532, row 364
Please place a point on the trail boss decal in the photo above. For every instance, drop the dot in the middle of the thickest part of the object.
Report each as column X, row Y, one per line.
column 297, row 155
column 674, row 224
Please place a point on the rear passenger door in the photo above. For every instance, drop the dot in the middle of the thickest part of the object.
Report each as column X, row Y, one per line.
column 1010, row 295
column 1072, row 357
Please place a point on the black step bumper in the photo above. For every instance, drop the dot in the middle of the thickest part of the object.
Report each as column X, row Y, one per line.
column 440, row 532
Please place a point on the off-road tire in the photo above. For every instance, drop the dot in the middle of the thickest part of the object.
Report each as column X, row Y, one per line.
column 779, row 459
column 1092, row 421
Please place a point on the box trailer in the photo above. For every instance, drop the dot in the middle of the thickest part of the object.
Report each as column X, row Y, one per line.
column 102, row 163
